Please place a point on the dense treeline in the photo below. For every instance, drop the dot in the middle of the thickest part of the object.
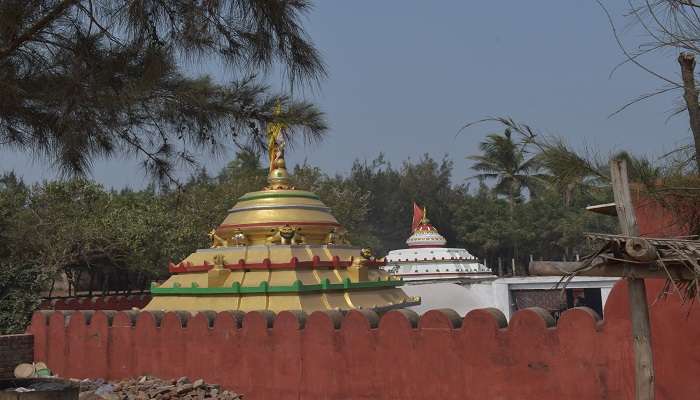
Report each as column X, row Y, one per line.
column 95, row 239
column 525, row 199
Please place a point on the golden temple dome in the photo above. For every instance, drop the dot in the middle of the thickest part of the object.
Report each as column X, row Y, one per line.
column 279, row 249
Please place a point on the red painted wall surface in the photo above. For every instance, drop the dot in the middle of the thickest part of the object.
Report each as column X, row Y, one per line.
column 655, row 220
column 400, row 356
column 117, row 303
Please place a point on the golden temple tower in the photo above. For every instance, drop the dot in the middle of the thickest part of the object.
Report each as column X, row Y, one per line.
column 279, row 249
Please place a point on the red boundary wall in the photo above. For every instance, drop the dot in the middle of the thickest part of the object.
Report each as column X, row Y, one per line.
column 656, row 220
column 400, row 356
column 117, row 303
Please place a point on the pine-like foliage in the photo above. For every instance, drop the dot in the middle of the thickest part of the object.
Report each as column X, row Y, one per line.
column 88, row 79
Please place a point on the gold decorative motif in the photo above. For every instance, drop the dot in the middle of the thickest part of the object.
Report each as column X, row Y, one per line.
column 331, row 238
column 219, row 261
column 366, row 254
column 358, row 270
column 216, row 240
column 285, row 235
column 218, row 274
column 335, row 236
column 239, row 238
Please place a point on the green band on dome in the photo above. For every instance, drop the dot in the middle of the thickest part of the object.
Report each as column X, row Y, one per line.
column 265, row 288
column 273, row 195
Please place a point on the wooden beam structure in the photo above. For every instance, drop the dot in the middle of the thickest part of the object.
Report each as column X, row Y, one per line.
column 639, row 308
column 605, row 209
column 602, row 267
column 634, row 259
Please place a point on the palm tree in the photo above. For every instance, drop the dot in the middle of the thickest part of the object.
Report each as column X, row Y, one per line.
column 556, row 166
column 506, row 161
column 575, row 175
column 568, row 172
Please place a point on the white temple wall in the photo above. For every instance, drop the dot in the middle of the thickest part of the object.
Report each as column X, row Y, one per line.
column 451, row 295
column 497, row 293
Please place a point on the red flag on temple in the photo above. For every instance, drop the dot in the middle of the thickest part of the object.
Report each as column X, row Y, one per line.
column 417, row 216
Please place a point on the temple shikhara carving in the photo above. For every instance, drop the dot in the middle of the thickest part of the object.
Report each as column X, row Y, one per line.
column 279, row 249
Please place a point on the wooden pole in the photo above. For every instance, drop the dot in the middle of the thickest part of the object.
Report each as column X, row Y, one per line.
column 600, row 267
column 639, row 309
column 690, row 95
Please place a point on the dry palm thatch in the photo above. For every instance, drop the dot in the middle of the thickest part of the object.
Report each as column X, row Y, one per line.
column 677, row 259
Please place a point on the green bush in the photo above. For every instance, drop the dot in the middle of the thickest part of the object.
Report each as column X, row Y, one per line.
column 20, row 294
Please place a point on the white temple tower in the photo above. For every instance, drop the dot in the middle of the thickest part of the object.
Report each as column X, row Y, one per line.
column 427, row 258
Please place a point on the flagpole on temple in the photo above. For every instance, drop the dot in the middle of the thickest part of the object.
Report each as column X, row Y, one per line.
column 418, row 214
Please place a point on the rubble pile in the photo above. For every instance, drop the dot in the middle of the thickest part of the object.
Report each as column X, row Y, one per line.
column 147, row 387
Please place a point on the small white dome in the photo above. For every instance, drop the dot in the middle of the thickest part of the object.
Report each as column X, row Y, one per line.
column 426, row 235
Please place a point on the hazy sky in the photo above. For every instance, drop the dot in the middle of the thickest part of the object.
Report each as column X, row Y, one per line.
column 406, row 75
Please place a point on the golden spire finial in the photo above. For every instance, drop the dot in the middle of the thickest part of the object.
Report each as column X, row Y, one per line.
column 425, row 219
column 278, row 177
column 275, row 139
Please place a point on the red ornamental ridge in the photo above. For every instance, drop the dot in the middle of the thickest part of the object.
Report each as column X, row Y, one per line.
column 294, row 263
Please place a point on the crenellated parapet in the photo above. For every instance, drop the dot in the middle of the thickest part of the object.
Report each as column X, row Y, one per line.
column 321, row 354
column 441, row 318
column 360, row 354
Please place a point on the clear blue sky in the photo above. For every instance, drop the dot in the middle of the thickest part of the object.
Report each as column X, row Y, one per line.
column 405, row 75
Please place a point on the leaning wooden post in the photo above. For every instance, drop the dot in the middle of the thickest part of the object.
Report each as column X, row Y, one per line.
column 639, row 309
